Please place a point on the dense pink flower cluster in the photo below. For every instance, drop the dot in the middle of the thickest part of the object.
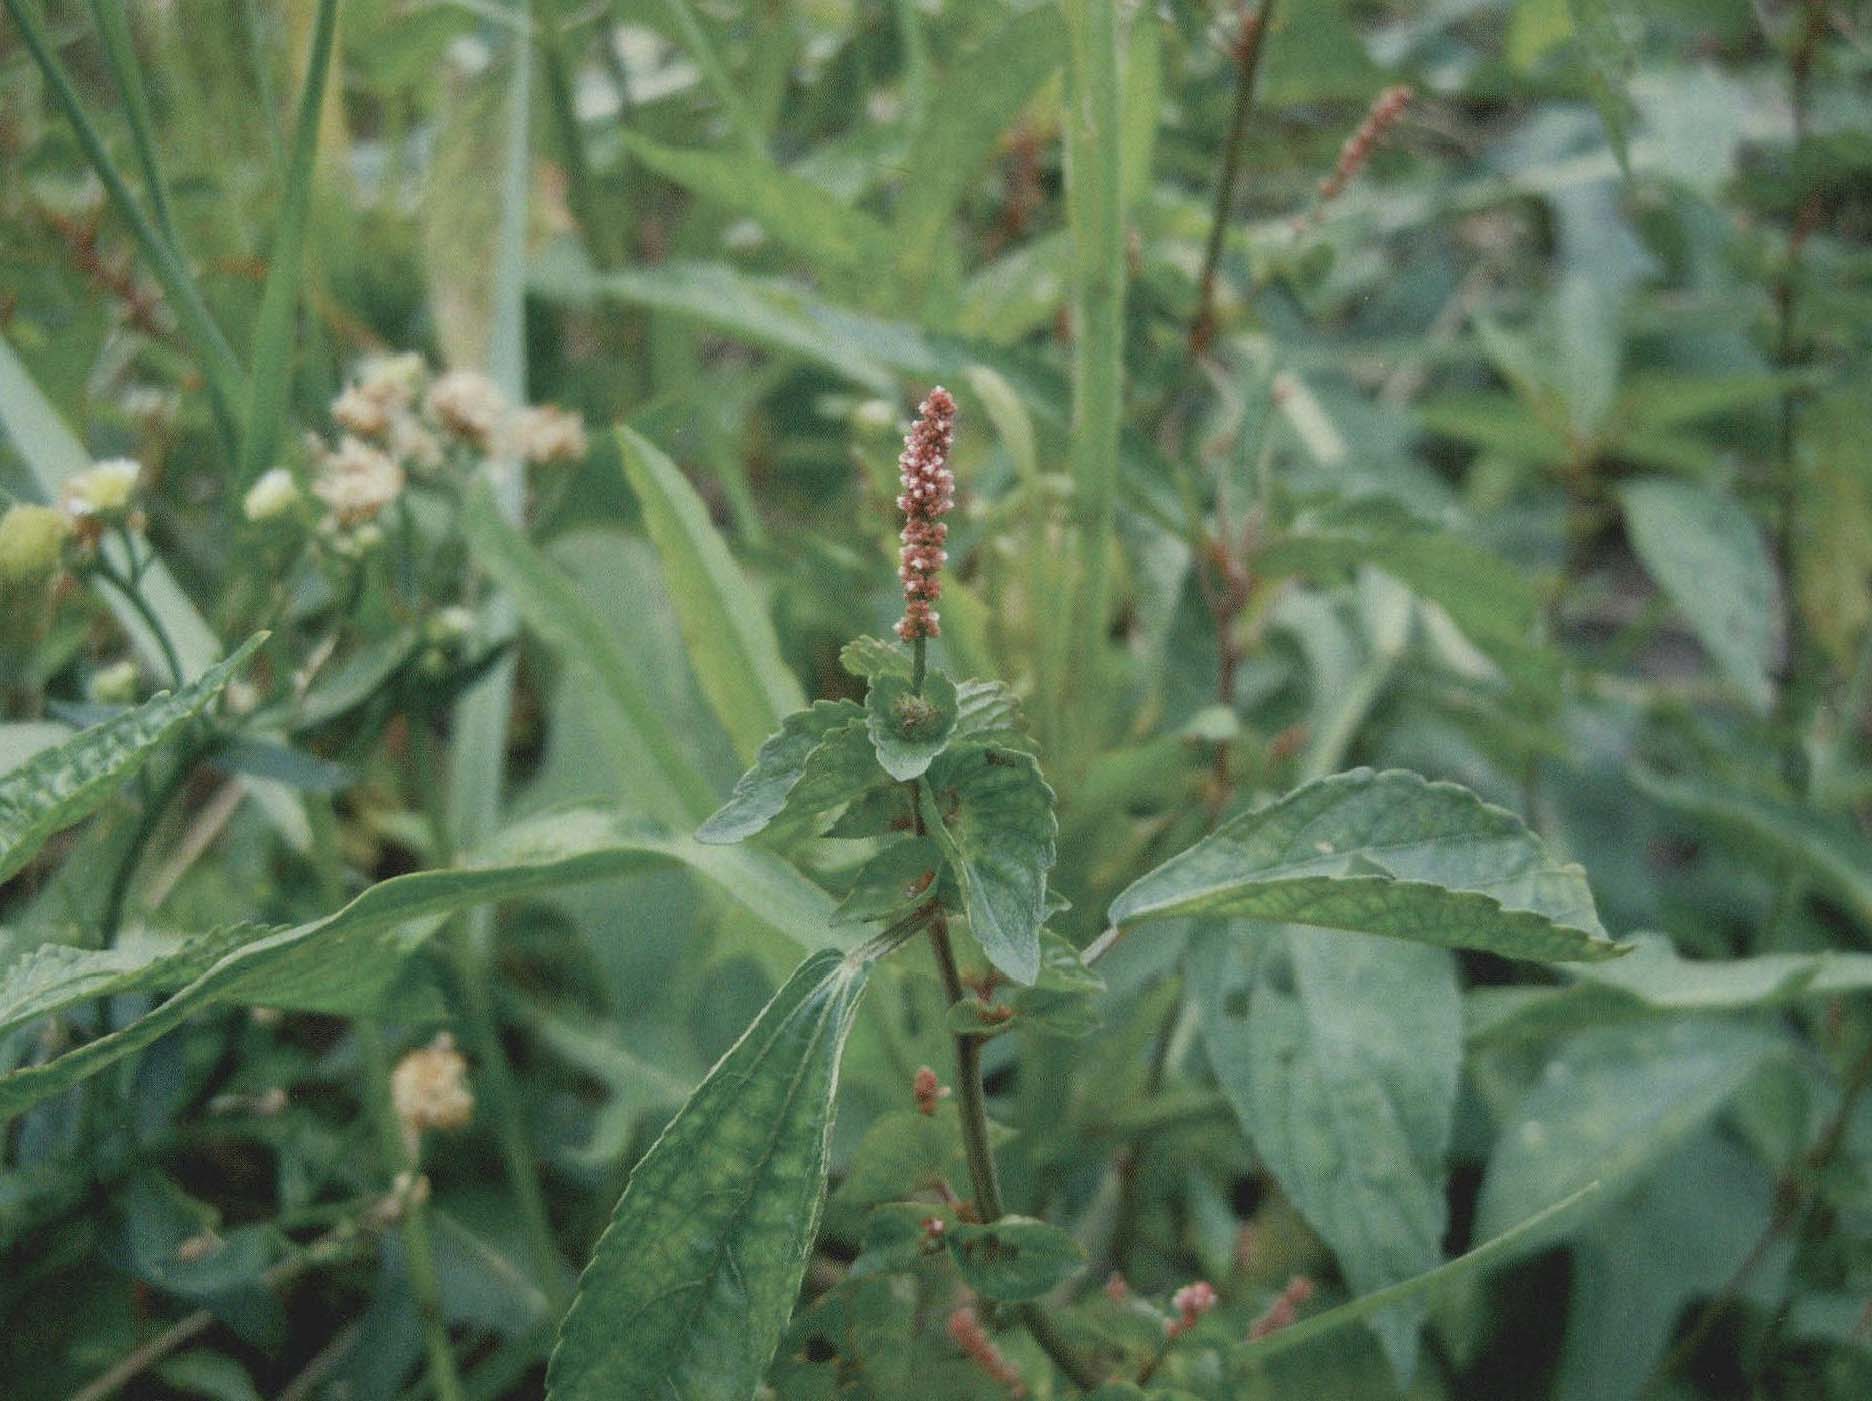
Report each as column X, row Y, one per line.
column 1384, row 114
column 928, row 495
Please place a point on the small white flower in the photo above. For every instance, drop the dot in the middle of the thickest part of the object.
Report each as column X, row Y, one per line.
column 271, row 496
column 357, row 481
column 360, row 412
column 103, row 490
column 392, row 380
column 468, row 405
column 115, row 684
column 547, row 433
column 414, row 445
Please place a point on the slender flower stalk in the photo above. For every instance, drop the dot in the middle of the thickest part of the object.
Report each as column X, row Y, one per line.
column 928, row 495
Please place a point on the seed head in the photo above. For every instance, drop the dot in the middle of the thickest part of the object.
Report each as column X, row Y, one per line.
column 928, row 495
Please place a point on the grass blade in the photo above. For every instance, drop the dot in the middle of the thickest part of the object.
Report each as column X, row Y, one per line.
column 270, row 386
column 695, row 41
column 120, row 52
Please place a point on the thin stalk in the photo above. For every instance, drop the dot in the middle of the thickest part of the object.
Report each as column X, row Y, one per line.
column 919, row 664
column 581, row 189
column 1096, row 218
column 120, row 52
column 1248, row 45
column 134, row 597
column 226, row 379
column 118, row 896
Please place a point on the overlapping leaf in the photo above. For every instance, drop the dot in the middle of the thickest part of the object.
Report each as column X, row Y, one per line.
column 692, row 1285
column 1383, row 853
column 762, row 792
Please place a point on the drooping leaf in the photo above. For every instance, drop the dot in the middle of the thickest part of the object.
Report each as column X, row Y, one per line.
column 731, row 642
column 1015, row 1258
column 794, row 211
column 1828, row 848
column 553, row 607
column 762, row 792
column 58, row 787
column 992, row 814
column 908, row 730
column 692, row 1285
column 1609, row 1106
column 344, row 961
column 1709, row 558
column 1340, row 1056
column 1383, row 853
column 1493, row 1251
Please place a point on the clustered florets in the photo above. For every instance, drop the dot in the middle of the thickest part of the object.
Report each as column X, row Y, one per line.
column 1285, row 1309
column 928, row 495
column 1383, row 115
column 1191, row 1302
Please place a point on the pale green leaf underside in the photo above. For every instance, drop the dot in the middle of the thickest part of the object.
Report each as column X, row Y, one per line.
column 1340, row 1056
column 693, row 1283
column 344, row 961
column 58, row 787
column 992, row 814
column 1383, row 853
column 905, row 750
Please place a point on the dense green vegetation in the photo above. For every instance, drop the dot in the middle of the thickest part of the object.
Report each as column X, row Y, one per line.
column 1305, row 839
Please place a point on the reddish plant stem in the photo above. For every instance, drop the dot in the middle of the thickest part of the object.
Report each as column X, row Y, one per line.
column 1249, row 41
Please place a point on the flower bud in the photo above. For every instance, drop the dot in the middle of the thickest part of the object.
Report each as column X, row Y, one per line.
column 273, row 494
column 103, row 491
column 115, row 684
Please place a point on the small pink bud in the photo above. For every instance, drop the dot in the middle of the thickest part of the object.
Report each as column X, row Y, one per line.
column 1116, row 1288
column 928, row 1090
column 1191, row 1302
column 1284, row 1310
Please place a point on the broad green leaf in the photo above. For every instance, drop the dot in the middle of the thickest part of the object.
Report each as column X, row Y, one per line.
column 893, row 882
column 1015, row 1258
column 762, row 792
column 908, row 729
column 1658, row 976
column 553, row 607
column 269, row 385
column 692, row 1285
column 344, row 961
column 871, row 658
column 1609, row 62
column 61, row 786
column 1829, row 848
column 981, row 97
column 1609, row 1106
column 1503, row 1246
column 1340, row 1056
column 1709, row 558
column 992, row 814
column 794, row 212
column 1383, row 853
column 52, row 977
column 731, row 642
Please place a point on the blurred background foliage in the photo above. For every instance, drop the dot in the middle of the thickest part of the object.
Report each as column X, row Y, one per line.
column 1535, row 458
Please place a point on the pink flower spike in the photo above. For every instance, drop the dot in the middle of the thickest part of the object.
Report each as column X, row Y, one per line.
column 928, row 495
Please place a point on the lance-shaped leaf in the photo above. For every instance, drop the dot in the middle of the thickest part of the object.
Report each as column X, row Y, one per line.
column 1340, row 1056
column 346, row 960
column 1384, row 853
column 692, row 1285
column 58, row 787
column 52, row 977
column 907, row 729
column 818, row 759
column 992, row 814
column 731, row 642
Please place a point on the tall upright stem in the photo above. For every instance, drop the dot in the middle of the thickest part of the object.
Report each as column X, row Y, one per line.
column 1248, row 44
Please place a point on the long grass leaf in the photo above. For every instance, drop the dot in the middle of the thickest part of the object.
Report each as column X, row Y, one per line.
column 270, row 386
column 113, row 25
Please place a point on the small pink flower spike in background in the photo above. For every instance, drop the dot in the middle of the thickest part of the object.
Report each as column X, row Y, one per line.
column 928, row 495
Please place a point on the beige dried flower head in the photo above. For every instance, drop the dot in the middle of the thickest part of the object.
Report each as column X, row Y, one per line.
column 928, row 496
column 429, row 1090
column 547, row 433
column 358, row 412
column 104, row 491
column 357, row 481
column 393, row 380
column 410, row 443
column 468, row 406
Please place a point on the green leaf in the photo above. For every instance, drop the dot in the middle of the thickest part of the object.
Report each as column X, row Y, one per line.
column 696, row 43
column 61, row 786
column 795, row 212
column 1383, row 853
column 893, row 882
column 1014, row 1259
column 1340, row 1056
column 983, row 94
column 1829, row 848
column 1609, row 1106
column 52, row 977
column 909, row 730
column 1507, row 1244
column 572, row 628
column 992, row 814
column 1609, row 62
column 692, row 1285
column 1658, row 976
column 269, row 386
column 873, row 658
column 1067, row 996
column 763, row 791
column 731, row 642
column 974, row 1017
column 1708, row 557
column 345, row 961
